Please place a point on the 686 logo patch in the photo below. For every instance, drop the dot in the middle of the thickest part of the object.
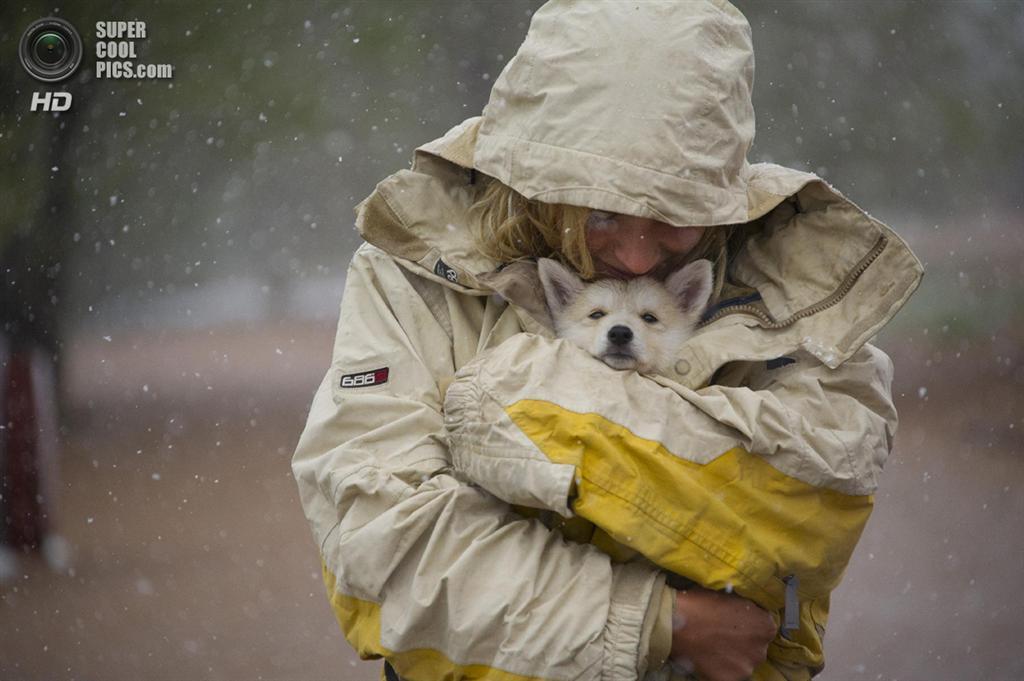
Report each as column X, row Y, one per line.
column 365, row 378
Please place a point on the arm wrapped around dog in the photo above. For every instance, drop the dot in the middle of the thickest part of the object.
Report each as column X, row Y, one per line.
column 735, row 486
column 416, row 561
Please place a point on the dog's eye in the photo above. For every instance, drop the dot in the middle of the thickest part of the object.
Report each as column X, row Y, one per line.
column 649, row 318
column 596, row 314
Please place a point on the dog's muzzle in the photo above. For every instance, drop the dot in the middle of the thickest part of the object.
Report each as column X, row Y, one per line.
column 618, row 353
column 620, row 336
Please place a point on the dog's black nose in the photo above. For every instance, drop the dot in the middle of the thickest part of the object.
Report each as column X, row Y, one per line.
column 620, row 335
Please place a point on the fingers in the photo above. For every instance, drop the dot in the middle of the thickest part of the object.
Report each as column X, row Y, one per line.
column 721, row 637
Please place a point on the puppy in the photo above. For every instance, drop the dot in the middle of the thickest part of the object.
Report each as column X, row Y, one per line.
column 639, row 324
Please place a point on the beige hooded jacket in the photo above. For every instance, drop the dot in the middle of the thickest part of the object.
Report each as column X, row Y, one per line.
column 752, row 467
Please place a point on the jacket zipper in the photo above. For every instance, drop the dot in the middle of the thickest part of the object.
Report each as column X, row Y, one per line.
column 824, row 304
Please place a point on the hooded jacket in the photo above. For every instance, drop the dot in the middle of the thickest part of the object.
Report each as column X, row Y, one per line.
column 449, row 409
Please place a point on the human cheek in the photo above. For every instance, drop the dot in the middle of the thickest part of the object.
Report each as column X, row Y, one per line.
column 601, row 239
column 683, row 240
column 596, row 240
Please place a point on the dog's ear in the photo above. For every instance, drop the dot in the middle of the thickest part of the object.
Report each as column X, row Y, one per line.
column 561, row 285
column 692, row 286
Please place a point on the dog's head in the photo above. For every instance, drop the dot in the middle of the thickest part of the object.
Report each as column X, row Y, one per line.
column 636, row 324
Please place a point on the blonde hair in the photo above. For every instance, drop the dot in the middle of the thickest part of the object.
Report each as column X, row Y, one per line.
column 511, row 227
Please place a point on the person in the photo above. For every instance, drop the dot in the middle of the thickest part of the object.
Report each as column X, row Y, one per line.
column 491, row 502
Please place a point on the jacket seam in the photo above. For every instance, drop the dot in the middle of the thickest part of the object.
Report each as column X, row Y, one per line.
column 651, row 511
column 589, row 153
column 807, row 454
column 339, row 483
column 491, row 451
column 692, row 536
column 387, row 201
column 385, row 471
column 440, row 313
column 403, row 495
column 858, row 474
column 327, row 536
column 657, row 212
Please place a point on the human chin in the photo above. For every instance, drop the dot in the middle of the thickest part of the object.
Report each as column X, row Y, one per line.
column 604, row 270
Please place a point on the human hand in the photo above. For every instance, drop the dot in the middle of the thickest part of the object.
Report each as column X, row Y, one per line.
column 720, row 637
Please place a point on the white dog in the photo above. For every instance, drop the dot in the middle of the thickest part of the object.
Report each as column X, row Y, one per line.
column 638, row 324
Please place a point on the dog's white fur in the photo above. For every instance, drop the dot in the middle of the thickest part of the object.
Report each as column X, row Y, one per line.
column 638, row 324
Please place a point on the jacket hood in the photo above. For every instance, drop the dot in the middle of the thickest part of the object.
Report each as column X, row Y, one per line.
column 576, row 117
column 636, row 108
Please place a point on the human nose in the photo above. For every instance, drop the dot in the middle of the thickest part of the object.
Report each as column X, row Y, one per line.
column 638, row 255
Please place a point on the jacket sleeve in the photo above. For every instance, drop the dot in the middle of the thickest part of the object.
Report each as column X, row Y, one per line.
column 737, row 486
column 438, row 576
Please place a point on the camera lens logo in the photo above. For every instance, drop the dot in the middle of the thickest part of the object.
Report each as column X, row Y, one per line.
column 50, row 49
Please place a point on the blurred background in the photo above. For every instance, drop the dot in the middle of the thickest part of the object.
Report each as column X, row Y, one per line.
column 173, row 254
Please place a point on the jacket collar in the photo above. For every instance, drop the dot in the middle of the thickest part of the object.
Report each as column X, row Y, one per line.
column 815, row 271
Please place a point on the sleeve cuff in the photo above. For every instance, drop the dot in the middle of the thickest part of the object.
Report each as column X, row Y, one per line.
column 657, row 629
column 635, row 586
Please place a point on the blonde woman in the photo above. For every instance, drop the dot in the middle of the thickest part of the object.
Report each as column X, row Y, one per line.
column 494, row 503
